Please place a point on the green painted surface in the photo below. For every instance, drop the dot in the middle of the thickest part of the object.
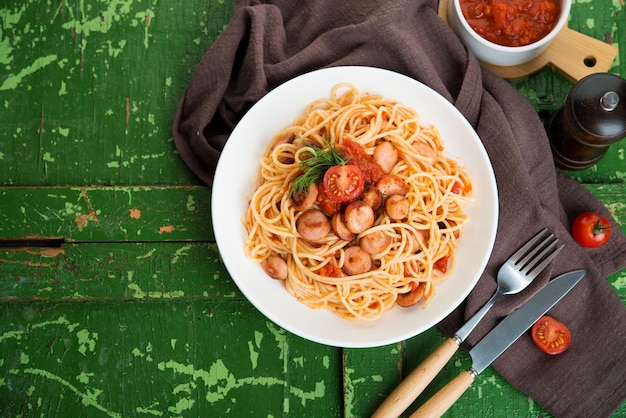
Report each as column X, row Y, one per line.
column 123, row 308
column 124, row 359
column 107, row 214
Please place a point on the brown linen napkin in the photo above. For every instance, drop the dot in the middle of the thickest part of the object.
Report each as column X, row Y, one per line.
column 268, row 43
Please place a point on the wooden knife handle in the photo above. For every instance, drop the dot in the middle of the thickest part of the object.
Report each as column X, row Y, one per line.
column 414, row 383
column 446, row 397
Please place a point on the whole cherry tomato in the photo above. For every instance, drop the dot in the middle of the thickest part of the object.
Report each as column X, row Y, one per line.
column 590, row 229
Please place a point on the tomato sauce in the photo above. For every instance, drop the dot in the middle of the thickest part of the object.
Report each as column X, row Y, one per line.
column 372, row 171
column 511, row 22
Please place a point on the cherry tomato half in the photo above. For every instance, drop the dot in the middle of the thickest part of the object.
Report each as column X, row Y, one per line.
column 442, row 264
column 591, row 229
column 343, row 183
column 550, row 335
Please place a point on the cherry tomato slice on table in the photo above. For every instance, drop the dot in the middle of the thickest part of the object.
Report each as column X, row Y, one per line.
column 591, row 229
column 551, row 336
column 343, row 183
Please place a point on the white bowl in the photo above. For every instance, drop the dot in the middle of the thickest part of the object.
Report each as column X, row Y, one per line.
column 235, row 181
column 495, row 54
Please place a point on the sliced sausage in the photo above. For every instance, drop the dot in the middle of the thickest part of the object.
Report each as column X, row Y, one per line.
column 359, row 216
column 275, row 267
column 313, row 225
column 426, row 151
column 356, row 261
column 375, row 243
column 339, row 227
column 390, row 184
column 304, row 201
column 413, row 296
column 414, row 239
column 285, row 139
column 373, row 197
column 397, row 207
column 386, row 156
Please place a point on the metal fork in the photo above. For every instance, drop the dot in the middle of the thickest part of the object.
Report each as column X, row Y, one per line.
column 513, row 277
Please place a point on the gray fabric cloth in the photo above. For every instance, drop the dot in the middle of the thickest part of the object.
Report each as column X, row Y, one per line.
column 267, row 44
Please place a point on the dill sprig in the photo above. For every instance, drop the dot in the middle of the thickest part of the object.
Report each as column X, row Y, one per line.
column 314, row 167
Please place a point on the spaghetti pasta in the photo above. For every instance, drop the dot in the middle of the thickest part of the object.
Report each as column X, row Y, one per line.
column 417, row 250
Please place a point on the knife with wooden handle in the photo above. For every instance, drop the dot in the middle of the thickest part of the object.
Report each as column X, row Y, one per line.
column 498, row 340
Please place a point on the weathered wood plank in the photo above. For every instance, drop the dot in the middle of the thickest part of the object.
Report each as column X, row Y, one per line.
column 160, row 358
column 116, row 272
column 106, row 214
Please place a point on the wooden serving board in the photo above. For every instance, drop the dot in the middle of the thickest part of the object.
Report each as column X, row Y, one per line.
column 572, row 53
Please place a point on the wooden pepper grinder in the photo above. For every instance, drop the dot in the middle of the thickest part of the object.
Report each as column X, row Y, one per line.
column 592, row 118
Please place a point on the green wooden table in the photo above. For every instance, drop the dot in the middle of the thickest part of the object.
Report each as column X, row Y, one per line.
column 113, row 300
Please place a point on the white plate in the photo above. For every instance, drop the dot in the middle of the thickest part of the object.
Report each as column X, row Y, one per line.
column 234, row 185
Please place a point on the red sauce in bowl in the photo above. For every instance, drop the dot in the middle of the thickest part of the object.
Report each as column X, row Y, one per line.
column 511, row 22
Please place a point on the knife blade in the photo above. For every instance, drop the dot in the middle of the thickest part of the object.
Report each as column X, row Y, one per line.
column 499, row 339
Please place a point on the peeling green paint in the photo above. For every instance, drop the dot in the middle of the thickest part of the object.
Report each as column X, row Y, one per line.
column 71, row 209
column 182, row 405
column 48, row 157
column 219, row 381
column 62, row 89
column 181, row 252
column 5, row 51
column 89, row 398
column 349, row 393
column 138, row 293
column 84, row 377
column 191, row 203
column 113, row 50
column 145, row 18
column 305, row 396
column 254, row 354
column 86, row 341
column 149, row 254
column 59, row 321
column 13, row 80
column 149, row 410
column 620, row 282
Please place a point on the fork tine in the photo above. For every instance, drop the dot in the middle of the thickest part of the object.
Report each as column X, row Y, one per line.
column 528, row 258
column 534, row 272
column 519, row 253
